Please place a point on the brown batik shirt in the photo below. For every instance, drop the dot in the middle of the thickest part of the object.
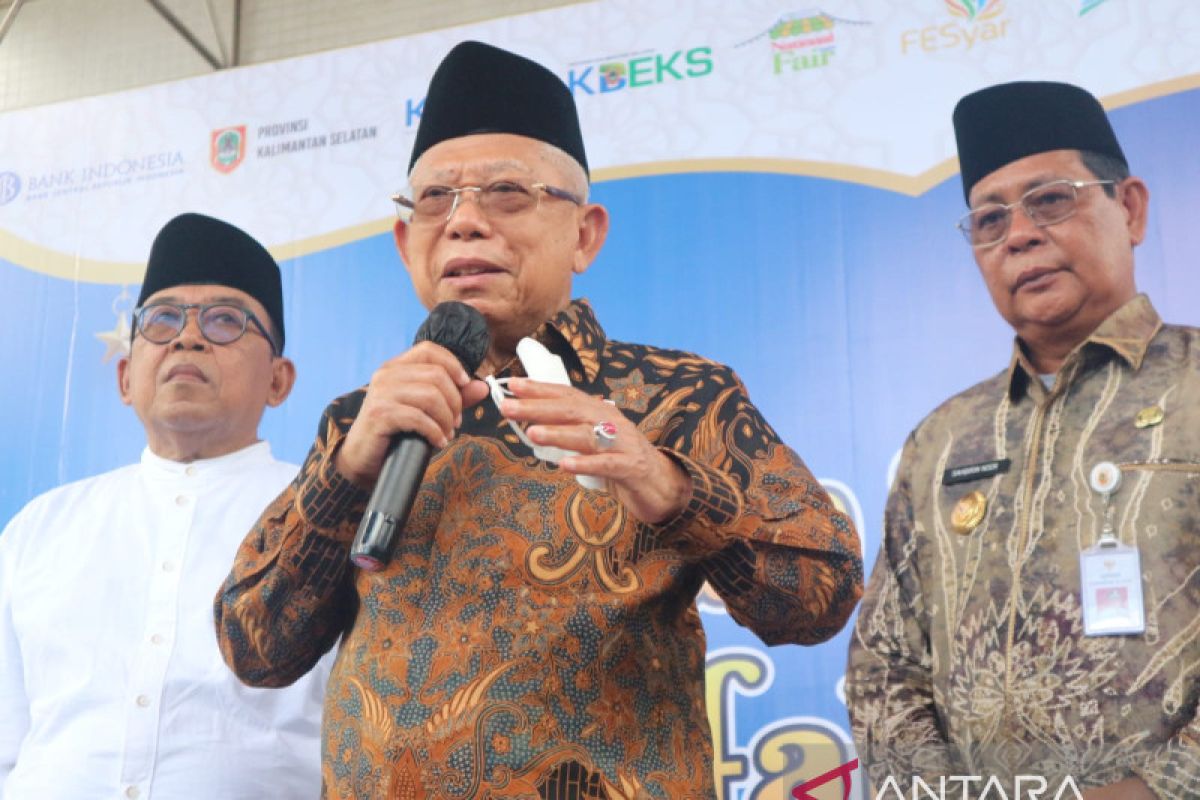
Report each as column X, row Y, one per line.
column 969, row 655
column 529, row 638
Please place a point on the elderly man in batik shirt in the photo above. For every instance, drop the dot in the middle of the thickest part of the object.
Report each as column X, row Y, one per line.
column 530, row 636
column 1034, row 612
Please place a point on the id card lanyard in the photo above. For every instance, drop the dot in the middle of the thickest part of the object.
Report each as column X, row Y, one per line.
column 1110, row 571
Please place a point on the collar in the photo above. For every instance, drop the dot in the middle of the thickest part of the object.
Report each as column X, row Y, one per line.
column 576, row 335
column 1126, row 333
column 249, row 457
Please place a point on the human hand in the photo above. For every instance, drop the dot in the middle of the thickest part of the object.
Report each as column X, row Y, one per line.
column 651, row 486
column 421, row 391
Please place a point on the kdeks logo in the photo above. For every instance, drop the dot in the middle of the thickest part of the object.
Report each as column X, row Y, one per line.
column 227, row 148
column 639, row 70
column 976, row 21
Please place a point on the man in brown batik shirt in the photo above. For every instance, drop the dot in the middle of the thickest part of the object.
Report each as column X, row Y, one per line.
column 530, row 637
column 982, row 648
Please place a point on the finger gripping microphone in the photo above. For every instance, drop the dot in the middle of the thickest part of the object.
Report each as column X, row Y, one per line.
column 463, row 331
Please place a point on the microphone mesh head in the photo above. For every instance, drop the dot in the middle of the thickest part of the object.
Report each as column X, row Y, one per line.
column 460, row 329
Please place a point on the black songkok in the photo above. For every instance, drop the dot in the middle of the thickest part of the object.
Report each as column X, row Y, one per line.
column 195, row 249
column 482, row 89
column 1000, row 124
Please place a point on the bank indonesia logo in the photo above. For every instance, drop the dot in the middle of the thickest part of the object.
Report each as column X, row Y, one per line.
column 227, row 148
column 975, row 10
column 10, row 187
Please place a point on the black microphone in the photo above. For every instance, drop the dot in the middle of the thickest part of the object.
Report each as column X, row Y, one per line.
column 463, row 331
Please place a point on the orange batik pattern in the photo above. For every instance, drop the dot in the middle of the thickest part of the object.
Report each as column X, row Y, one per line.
column 530, row 639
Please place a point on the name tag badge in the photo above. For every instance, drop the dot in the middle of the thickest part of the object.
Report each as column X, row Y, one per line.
column 1111, row 574
column 975, row 472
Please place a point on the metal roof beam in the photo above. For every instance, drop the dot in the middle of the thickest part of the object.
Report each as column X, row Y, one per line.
column 9, row 17
column 183, row 31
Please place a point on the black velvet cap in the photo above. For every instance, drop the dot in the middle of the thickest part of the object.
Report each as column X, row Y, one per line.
column 1000, row 124
column 195, row 249
column 479, row 88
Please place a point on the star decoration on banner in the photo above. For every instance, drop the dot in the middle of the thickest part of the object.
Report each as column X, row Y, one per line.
column 116, row 341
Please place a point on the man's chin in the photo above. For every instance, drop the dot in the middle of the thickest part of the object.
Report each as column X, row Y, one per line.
column 1048, row 310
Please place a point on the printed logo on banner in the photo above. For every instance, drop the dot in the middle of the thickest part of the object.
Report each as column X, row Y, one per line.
column 1090, row 5
column 111, row 173
column 638, row 70
column 801, row 41
column 10, row 187
column 975, row 9
column 976, row 22
column 228, row 148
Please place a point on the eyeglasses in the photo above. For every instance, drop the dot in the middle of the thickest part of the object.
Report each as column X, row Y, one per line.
column 507, row 198
column 1047, row 204
column 220, row 323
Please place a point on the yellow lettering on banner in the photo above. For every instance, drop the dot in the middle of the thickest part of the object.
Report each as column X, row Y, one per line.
column 725, row 673
column 795, row 752
column 950, row 35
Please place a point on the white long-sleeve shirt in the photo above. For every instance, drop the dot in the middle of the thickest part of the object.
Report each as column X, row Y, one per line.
column 111, row 683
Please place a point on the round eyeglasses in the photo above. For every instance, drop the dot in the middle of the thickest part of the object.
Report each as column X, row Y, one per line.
column 1047, row 204
column 220, row 323
column 435, row 204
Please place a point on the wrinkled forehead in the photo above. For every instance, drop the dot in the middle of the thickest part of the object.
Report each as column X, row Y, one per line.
column 1017, row 177
column 481, row 157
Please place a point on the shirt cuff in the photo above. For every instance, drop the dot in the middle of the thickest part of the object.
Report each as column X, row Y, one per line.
column 703, row 526
column 328, row 499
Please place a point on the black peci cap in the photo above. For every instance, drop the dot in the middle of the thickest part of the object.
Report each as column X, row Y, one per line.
column 479, row 88
column 195, row 249
column 1000, row 124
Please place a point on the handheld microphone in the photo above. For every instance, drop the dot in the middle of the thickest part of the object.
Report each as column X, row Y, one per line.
column 463, row 331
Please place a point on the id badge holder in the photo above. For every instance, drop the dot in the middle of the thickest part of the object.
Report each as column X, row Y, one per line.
column 1111, row 578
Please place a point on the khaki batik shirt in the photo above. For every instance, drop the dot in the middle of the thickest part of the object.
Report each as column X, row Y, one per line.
column 969, row 655
column 529, row 638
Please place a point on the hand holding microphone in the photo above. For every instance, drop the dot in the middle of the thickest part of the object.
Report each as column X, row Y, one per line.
column 420, row 393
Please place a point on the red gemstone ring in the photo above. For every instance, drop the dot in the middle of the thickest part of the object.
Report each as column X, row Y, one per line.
column 605, row 434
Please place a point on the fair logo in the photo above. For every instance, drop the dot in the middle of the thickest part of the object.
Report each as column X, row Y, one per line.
column 227, row 148
column 974, row 22
column 10, row 187
column 801, row 41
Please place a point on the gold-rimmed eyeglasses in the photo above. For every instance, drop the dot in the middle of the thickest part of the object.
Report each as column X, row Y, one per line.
column 988, row 225
column 436, row 204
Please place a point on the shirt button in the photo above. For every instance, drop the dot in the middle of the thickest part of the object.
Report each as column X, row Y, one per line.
column 143, row 701
column 132, row 793
column 168, row 566
column 190, row 471
column 156, row 639
column 181, row 500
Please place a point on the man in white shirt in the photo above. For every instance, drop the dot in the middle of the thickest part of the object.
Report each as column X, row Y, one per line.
column 111, row 683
